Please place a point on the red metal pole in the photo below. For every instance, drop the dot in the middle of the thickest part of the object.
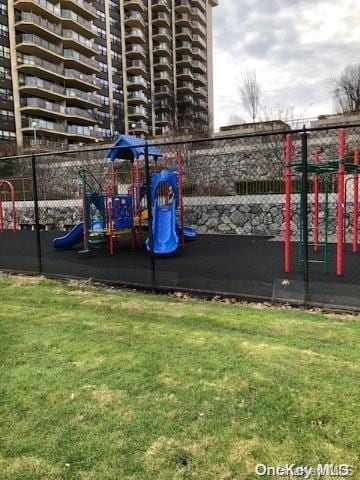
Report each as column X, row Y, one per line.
column 355, row 222
column 288, row 191
column 181, row 196
column 12, row 196
column 1, row 214
column 341, row 205
column 108, row 203
column 316, row 183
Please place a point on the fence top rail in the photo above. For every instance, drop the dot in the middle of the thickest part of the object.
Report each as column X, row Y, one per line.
column 151, row 143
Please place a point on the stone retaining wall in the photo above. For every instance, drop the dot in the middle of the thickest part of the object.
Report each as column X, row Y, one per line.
column 251, row 215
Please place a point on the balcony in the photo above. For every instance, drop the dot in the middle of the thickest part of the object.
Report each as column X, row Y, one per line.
column 163, row 104
column 199, row 3
column 80, row 115
column 135, row 35
column 184, row 48
column 32, row 44
column 137, row 112
column 136, row 82
column 199, row 66
column 198, row 41
column 185, row 87
column 160, row 5
column 134, row 19
column 162, row 49
column 135, row 67
column 184, row 60
column 28, row 22
column 161, row 19
column 183, row 33
column 162, row 78
column 134, row 5
column 162, row 118
column 43, row 126
column 162, row 63
column 184, row 73
column 74, row 78
column 137, row 98
column 135, row 51
column 75, row 40
column 163, row 91
column 81, row 7
column 41, row 88
column 82, row 132
column 44, row 8
column 39, row 106
column 182, row 20
column 183, row 6
column 80, row 98
column 74, row 58
column 200, row 105
column 200, row 92
column 73, row 21
column 33, row 65
column 141, row 128
column 199, row 54
column 200, row 79
column 198, row 15
column 162, row 34
column 198, row 28
column 186, row 99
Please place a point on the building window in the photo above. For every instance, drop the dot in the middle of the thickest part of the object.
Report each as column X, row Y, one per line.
column 100, row 32
column 115, row 56
column 103, row 66
column 7, row 135
column 5, row 73
column 4, row 51
column 101, row 49
column 6, row 94
column 6, row 115
column 100, row 15
column 3, row 9
column 4, row 31
column 115, row 40
column 103, row 100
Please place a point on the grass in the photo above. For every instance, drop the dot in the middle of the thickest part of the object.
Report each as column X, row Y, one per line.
column 98, row 384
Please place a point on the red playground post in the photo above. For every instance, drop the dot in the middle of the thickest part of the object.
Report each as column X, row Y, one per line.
column 13, row 207
column 355, row 222
column 316, row 186
column 181, row 178
column 341, row 204
column 288, row 191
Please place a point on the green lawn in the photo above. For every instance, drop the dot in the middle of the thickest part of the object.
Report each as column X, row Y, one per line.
column 101, row 384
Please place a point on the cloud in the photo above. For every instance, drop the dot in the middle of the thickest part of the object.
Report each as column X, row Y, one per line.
column 295, row 46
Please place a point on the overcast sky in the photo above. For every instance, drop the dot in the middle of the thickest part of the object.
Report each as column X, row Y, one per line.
column 294, row 46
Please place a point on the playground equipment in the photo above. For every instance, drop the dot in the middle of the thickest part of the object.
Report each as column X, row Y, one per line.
column 324, row 175
column 13, row 206
column 108, row 215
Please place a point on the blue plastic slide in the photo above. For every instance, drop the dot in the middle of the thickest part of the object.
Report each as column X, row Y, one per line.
column 73, row 237
column 165, row 237
column 189, row 233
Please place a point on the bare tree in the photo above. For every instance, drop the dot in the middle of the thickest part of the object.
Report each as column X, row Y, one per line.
column 250, row 93
column 276, row 119
column 8, row 167
column 346, row 89
column 235, row 119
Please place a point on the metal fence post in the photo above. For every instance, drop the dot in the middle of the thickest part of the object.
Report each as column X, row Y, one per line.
column 36, row 214
column 150, row 217
column 304, row 205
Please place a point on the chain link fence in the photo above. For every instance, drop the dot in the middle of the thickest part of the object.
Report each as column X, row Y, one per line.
column 262, row 216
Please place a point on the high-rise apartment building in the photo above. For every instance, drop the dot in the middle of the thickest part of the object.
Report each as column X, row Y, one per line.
column 72, row 71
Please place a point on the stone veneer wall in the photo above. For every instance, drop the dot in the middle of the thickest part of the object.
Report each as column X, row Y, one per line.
column 253, row 215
